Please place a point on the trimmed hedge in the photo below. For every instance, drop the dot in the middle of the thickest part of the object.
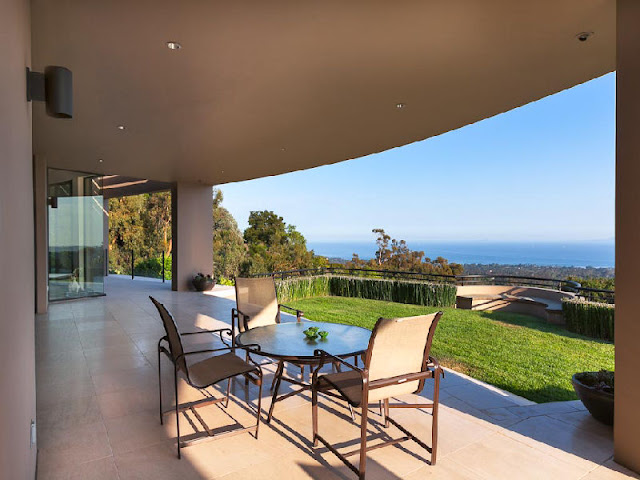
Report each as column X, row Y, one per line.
column 302, row 287
column 595, row 320
column 416, row 293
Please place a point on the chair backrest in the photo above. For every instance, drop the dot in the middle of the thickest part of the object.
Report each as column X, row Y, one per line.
column 400, row 346
column 173, row 337
column 256, row 297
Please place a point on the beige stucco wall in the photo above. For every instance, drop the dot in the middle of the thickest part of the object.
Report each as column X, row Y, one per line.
column 17, row 375
column 192, row 224
column 627, row 336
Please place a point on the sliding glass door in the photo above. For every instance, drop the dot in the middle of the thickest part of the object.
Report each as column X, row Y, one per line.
column 76, row 235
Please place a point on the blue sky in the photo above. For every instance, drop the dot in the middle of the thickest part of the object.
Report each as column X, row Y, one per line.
column 541, row 172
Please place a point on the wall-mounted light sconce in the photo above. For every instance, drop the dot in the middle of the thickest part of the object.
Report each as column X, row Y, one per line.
column 55, row 88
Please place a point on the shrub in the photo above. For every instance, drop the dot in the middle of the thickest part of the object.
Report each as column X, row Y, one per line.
column 417, row 293
column 589, row 318
column 302, row 287
column 226, row 281
column 152, row 267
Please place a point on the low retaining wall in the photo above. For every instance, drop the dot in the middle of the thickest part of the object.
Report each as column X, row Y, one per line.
column 543, row 303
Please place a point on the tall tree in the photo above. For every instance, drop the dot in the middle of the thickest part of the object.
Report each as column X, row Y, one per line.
column 229, row 249
column 275, row 246
column 138, row 223
column 395, row 254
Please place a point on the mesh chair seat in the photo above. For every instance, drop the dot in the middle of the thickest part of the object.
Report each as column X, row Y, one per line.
column 348, row 383
column 217, row 368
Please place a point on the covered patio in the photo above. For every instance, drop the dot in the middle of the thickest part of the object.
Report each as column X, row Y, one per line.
column 195, row 94
column 97, row 406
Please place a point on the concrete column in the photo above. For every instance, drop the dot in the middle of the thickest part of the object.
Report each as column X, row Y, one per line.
column 627, row 335
column 192, row 232
column 17, row 299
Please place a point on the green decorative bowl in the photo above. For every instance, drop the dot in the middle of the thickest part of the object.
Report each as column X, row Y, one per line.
column 323, row 334
column 311, row 333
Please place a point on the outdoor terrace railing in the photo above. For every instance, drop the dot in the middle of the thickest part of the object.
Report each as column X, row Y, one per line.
column 150, row 265
column 594, row 294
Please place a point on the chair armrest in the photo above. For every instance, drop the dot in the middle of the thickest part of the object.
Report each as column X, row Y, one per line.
column 239, row 312
column 219, row 331
column 236, row 314
column 324, row 355
column 211, row 350
column 409, row 377
column 433, row 362
column 299, row 313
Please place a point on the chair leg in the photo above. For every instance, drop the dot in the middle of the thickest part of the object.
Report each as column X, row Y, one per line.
column 386, row 413
column 314, row 414
column 380, row 407
column 363, row 438
column 353, row 415
column 160, row 388
column 226, row 402
column 175, row 384
column 434, row 419
column 246, row 359
column 259, row 413
column 302, row 373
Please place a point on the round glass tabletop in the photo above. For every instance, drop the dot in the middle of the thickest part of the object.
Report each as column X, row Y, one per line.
column 286, row 340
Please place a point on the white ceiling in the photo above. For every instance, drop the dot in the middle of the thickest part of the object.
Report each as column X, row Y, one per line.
column 266, row 87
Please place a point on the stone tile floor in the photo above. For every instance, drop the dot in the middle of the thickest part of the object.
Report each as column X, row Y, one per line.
column 97, row 411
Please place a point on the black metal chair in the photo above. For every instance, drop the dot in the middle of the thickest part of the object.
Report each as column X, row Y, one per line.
column 205, row 373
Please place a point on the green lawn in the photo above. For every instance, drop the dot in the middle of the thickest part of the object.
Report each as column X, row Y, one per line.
column 517, row 353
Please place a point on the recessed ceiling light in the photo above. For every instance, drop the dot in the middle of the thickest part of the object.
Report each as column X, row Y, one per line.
column 121, row 127
column 400, row 105
column 173, row 46
column 584, row 36
column 100, row 160
column 283, row 149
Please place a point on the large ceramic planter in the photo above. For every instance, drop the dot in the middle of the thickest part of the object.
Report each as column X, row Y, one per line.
column 203, row 284
column 598, row 402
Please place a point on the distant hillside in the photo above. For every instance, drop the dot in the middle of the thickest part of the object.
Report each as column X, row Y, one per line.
column 538, row 271
column 524, row 270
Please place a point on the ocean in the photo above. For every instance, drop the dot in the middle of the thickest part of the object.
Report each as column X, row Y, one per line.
column 587, row 254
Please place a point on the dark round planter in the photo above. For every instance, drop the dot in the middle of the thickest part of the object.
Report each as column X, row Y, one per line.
column 203, row 284
column 598, row 402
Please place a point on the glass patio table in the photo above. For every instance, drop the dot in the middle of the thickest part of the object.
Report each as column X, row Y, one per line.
column 286, row 342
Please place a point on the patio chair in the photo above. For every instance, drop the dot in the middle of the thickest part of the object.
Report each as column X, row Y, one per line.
column 204, row 373
column 257, row 306
column 397, row 362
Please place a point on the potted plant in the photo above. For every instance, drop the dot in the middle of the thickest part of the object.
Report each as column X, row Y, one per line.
column 595, row 390
column 202, row 282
